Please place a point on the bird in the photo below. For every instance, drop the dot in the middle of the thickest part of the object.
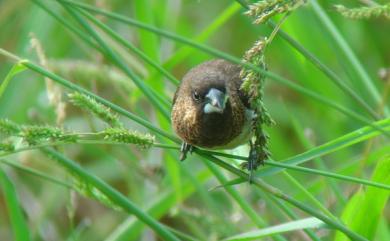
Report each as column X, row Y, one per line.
column 211, row 111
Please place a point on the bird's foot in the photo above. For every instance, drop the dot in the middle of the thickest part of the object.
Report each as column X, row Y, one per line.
column 254, row 161
column 185, row 148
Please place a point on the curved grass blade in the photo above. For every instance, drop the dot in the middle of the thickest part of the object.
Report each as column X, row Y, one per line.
column 362, row 74
column 306, row 193
column 366, row 207
column 322, row 67
column 278, row 229
column 329, row 174
column 131, row 47
column 18, row 222
column 131, row 228
column 99, row 99
column 226, row 56
column 342, row 142
column 186, row 51
column 17, row 68
column 36, row 173
column 114, row 196
column 280, row 195
column 115, row 58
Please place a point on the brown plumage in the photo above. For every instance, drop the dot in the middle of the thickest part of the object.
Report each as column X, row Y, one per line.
column 209, row 109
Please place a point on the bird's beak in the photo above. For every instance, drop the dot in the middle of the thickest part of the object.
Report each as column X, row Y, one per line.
column 215, row 101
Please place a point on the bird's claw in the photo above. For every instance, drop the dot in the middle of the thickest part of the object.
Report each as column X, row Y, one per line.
column 254, row 161
column 185, row 148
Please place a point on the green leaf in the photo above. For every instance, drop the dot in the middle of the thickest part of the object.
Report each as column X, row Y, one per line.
column 365, row 208
column 19, row 225
column 17, row 68
column 281, row 228
column 108, row 194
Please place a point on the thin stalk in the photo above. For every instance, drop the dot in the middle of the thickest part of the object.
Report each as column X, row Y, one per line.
column 308, row 195
column 344, row 141
column 280, row 195
column 115, row 58
column 236, row 196
column 245, row 206
column 329, row 174
column 99, row 99
column 115, row 196
column 290, row 213
column 82, row 142
column 73, row 29
column 86, row 38
column 36, row 173
column 131, row 47
column 328, row 72
column 351, row 57
column 231, row 58
column 322, row 67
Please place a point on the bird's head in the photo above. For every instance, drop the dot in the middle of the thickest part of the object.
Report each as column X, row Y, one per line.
column 206, row 87
column 207, row 109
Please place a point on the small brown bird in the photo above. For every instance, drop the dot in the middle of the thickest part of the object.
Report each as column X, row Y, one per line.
column 211, row 111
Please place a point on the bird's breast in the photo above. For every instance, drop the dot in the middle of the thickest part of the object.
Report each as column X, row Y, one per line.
column 215, row 130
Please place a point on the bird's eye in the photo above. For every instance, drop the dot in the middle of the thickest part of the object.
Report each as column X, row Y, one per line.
column 195, row 96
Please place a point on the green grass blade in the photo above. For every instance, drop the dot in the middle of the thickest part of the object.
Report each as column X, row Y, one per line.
column 334, row 145
column 131, row 47
column 291, row 214
column 220, row 54
column 115, row 197
column 278, row 229
column 99, row 99
column 299, row 130
column 219, row 21
column 329, row 73
column 17, row 68
column 339, row 143
column 363, row 76
column 115, row 58
column 131, row 228
column 366, row 207
column 36, row 173
column 322, row 67
column 149, row 42
column 330, row 174
column 245, row 206
column 308, row 195
column 280, row 195
column 18, row 222
column 61, row 20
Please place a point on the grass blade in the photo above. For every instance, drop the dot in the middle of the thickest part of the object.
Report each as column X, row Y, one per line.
column 280, row 195
column 228, row 57
column 330, row 174
column 17, row 68
column 366, row 207
column 36, row 173
column 115, row 197
column 186, row 51
column 115, row 58
column 362, row 75
column 19, row 225
column 322, row 67
column 342, row 142
column 278, row 229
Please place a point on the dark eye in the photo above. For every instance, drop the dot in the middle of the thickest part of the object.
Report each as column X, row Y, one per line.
column 195, row 96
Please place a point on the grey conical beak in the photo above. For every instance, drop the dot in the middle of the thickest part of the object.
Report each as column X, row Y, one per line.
column 215, row 101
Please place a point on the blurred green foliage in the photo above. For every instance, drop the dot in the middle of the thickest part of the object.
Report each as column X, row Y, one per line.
column 177, row 194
